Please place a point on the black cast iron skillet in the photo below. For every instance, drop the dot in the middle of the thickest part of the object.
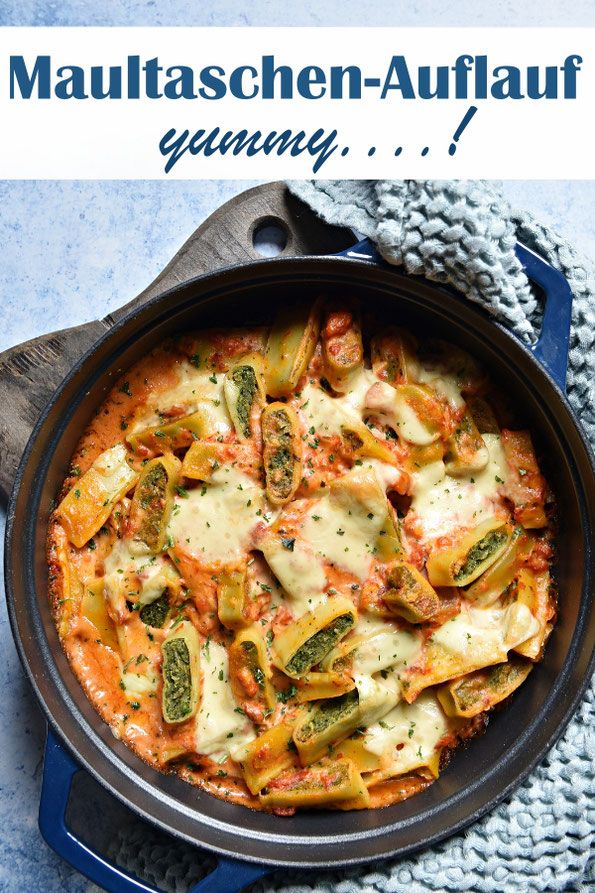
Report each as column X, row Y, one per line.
column 478, row 777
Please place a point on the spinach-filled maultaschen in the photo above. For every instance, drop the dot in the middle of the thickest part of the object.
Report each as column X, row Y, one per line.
column 298, row 564
column 281, row 452
column 180, row 669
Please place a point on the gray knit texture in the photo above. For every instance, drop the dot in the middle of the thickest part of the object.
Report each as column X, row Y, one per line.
column 540, row 839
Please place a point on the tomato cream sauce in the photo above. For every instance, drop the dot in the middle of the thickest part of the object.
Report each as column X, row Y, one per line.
column 376, row 487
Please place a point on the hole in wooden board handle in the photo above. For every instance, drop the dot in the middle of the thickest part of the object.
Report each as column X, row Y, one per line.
column 270, row 236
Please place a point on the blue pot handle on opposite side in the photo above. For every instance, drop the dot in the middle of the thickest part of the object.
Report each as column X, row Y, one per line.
column 59, row 769
column 551, row 348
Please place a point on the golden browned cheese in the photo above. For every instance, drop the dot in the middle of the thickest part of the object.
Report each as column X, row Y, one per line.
column 296, row 565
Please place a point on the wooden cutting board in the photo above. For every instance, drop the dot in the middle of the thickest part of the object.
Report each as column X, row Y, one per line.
column 30, row 372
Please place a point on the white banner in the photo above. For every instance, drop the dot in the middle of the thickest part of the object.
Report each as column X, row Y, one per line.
column 201, row 103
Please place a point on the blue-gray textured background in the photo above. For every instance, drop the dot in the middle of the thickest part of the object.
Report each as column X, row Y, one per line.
column 72, row 251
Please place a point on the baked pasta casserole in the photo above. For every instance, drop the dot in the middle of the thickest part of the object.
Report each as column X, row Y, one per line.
column 299, row 565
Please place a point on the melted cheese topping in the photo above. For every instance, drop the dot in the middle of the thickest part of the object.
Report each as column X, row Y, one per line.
column 130, row 569
column 375, row 698
column 407, row 736
column 387, row 475
column 445, row 504
column 383, row 645
column 343, row 531
column 195, row 388
column 215, row 523
column 221, row 729
column 113, row 469
column 445, row 386
column 326, row 414
column 457, row 635
column 340, row 529
column 301, row 575
column 476, row 637
column 139, row 683
column 497, row 628
column 390, row 405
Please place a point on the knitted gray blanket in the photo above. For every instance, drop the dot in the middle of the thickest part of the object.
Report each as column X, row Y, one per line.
column 541, row 837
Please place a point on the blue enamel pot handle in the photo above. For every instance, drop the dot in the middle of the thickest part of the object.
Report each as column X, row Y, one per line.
column 551, row 348
column 59, row 769
column 230, row 875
